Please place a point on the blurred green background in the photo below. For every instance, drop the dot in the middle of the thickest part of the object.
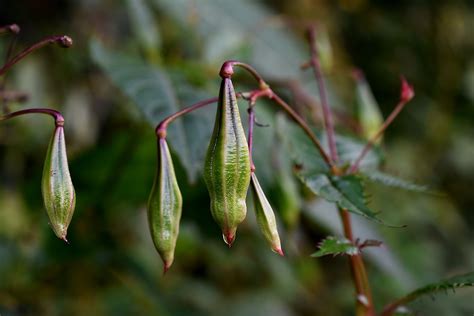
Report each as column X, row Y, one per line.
column 135, row 61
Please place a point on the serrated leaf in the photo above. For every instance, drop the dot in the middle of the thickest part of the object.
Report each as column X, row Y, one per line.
column 273, row 50
column 392, row 181
column 152, row 91
column 346, row 191
column 459, row 281
column 336, row 246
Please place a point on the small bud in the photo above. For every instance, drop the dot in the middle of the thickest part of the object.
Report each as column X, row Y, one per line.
column 407, row 92
column 57, row 188
column 265, row 216
column 165, row 206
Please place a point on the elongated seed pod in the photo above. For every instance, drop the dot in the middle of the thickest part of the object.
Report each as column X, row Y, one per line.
column 265, row 216
column 165, row 206
column 227, row 165
column 58, row 192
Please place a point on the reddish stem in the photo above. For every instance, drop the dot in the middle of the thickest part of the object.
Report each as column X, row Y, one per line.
column 327, row 114
column 63, row 40
column 11, row 28
column 58, row 118
column 160, row 129
column 407, row 93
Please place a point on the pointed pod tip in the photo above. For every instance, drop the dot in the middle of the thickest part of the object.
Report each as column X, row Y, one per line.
column 65, row 239
column 279, row 251
column 407, row 92
column 229, row 238
column 166, row 267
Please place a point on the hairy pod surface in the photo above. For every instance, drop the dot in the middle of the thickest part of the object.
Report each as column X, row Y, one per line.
column 227, row 165
column 265, row 216
column 58, row 191
column 165, row 206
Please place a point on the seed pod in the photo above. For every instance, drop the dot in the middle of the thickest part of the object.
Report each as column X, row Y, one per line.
column 164, row 206
column 227, row 165
column 265, row 216
column 58, row 192
column 369, row 114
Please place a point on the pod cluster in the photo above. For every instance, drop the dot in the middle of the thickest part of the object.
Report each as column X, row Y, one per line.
column 227, row 175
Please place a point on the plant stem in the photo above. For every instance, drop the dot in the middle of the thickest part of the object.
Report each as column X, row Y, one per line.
column 299, row 120
column 364, row 303
column 160, row 129
column 392, row 307
column 58, row 118
column 327, row 114
column 227, row 70
column 406, row 95
column 11, row 28
column 250, row 134
column 63, row 40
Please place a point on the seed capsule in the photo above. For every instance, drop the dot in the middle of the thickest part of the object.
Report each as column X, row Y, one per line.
column 265, row 216
column 227, row 165
column 58, row 192
column 165, row 206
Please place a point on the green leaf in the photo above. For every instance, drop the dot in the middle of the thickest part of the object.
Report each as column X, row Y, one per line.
column 459, row 281
column 273, row 50
column 151, row 89
column 144, row 27
column 392, row 181
column 349, row 149
column 346, row 191
column 336, row 246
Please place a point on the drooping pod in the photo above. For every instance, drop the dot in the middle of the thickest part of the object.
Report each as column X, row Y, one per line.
column 165, row 206
column 265, row 216
column 227, row 164
column 58, row 191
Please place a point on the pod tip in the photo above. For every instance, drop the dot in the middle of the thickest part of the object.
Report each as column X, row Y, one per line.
column 279, row 251
column 229, row 238
column 166, row 267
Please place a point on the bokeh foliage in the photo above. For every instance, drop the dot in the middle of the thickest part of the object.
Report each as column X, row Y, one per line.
column 133, row 57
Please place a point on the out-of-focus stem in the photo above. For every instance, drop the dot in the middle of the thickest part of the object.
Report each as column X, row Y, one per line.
column 327, row 114
column 63, row 40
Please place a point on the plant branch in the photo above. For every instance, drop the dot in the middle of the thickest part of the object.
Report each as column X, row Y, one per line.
column 58, row 118
column 364, row 303
column 11, row 28
column 62, row 40
column 407, row 93
column 327, row 114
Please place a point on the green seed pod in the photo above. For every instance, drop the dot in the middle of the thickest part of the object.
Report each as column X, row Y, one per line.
column 265, row 216
column 164, row 206
column 369, row 114
column 58, row 192
column 227, row 165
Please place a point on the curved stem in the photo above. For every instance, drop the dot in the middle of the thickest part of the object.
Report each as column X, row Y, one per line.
column 327, row 114
column 160, row 129
column 227, row 71
column 63, row 40
column 11, row 28
column 58, row 118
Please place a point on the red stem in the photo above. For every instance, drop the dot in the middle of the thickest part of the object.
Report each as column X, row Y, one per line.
column 58, row 118
column 63, row 40
column 327, row 114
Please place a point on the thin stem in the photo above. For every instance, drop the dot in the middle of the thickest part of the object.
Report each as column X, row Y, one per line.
column 58, row 118
column 389, row 309
column 160, row 129
column 227, row 70
column 364, row 303
column 62, row 40
column 406, row 95
column 250, row 134
column 299, row 120
column 11, row 28
column 327, row 114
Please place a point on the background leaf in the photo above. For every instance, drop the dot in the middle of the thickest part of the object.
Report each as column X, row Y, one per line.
column 336, row 246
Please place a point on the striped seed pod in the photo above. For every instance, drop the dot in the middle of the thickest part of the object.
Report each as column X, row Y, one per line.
column 227, row 165
column 265, row 216
column 165, row 206
column 58, row 192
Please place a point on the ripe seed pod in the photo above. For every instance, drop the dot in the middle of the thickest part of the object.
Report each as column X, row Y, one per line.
column 265, row 216
column 58, row 191
column 165, row 206
column 227, row 164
